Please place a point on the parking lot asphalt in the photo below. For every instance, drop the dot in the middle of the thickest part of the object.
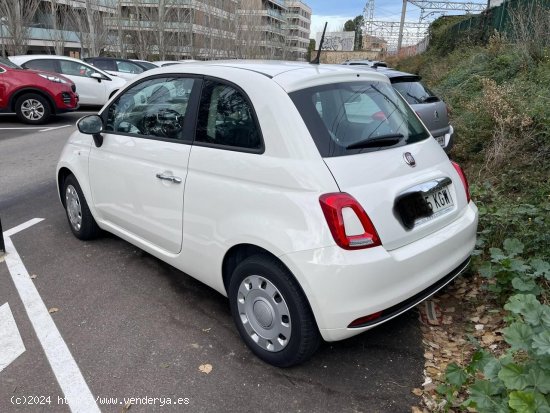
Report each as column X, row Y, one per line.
column 138, row 328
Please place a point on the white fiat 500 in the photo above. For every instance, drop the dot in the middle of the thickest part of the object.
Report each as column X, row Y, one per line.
column 311, row 196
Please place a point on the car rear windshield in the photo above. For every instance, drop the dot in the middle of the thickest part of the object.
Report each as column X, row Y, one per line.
column 414, row 92
column 355, row 117
column 8, row 63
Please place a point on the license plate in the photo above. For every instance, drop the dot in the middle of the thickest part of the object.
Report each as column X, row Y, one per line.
column 439, row 201
column 440, row 140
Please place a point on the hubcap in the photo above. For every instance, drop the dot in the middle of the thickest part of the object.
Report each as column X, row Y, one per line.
column 264, row 313
column 74, row 210
column 32, row 109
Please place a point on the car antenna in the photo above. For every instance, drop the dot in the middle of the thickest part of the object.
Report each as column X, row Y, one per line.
column 316, row 61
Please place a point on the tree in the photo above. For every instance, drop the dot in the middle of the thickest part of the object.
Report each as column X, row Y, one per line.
column 58, row 26
column 356, row 25
column 310, row 49
column 90, row 26
column 17, row 17
column 249, row 33
column 358, row 22
column 349, row 26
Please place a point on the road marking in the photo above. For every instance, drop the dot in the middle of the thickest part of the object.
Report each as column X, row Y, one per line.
column 27, row 128
column 11, row 343
column 21, row 227
column 54, row 128
column 68, row 375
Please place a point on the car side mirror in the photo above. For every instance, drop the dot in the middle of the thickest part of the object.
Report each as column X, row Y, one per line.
column 97, row 76
column 92, row 125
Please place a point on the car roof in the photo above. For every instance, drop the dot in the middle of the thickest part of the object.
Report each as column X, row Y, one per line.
column 395, row 74
column 289, row 75
column 25, row 58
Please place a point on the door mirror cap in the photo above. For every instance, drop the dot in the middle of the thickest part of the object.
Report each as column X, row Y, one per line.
column 98, row 76
column 91, row 125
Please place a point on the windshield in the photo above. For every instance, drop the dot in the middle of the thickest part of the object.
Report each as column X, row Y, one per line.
column 355, row 117
column 147, row 65
column 8, row 63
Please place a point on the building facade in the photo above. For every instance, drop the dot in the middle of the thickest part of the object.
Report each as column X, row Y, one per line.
column 157, row 29
column 298, row 28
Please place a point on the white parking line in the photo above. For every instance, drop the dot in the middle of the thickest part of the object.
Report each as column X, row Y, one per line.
column 53, row 128
column 26, row 128
column 68, row 375
column 11, row 343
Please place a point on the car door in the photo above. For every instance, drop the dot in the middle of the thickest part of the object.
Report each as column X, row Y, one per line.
column 137, row 176
column 92, row 91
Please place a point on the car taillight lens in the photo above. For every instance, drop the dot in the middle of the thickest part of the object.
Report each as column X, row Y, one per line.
column 463, row 179
column 358, row 236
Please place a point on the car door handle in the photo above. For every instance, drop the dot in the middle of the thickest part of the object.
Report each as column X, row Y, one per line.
column 171, row 178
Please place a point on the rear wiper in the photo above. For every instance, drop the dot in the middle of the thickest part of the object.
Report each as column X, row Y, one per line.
column 415, row 98
column 430, row 99
column 384, row 140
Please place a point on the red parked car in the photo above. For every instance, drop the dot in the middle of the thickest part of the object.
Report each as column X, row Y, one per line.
column 34, row 95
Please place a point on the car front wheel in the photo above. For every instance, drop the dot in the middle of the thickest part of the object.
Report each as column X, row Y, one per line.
column 33, row 108
column 271, row 312
column 80, row 218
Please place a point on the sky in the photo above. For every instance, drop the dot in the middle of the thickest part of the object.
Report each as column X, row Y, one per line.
column 337, row 12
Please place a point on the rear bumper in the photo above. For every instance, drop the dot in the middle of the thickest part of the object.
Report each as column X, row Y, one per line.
column 66, row 101
column 445, row 138
column 343, row 286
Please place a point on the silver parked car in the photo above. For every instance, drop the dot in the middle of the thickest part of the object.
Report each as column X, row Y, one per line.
column 431, row 109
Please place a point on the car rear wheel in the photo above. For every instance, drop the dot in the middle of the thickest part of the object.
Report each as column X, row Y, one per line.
column 80, row 218
column 271, row 312
column 33, row 108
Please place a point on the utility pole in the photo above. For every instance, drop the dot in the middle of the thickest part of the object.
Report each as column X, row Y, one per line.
column 401, row 26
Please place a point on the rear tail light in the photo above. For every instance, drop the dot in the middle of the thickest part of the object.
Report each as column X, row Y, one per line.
column 356, row 231
column 463, row 179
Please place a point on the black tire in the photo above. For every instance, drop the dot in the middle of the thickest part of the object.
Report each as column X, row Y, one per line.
column 80, row 218
column 263, row 272
column 33, row 109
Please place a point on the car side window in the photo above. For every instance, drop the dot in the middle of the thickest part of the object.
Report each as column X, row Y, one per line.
column 47, row 65
column 154, row 108
column 127, row 67
column 226, row 118
column 71, row 68
column 104, row 64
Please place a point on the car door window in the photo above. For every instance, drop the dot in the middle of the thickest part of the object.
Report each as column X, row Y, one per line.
column 154, row 108
column 71, row 68
column 127, row 67
column 105, row 64
column 226, row 118
column 48, row 65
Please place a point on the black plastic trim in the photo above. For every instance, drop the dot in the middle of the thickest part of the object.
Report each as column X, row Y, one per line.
column 416, row 299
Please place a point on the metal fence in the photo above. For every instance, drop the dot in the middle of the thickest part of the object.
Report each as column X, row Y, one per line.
column 498, row 18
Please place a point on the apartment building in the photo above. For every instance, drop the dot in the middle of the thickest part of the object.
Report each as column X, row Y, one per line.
column 298, row 28
column 176, row 29
column 160, row 29
column 261, row 31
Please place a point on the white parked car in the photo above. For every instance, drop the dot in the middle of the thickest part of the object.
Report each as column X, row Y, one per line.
column 93, row 85
column 311, row 196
